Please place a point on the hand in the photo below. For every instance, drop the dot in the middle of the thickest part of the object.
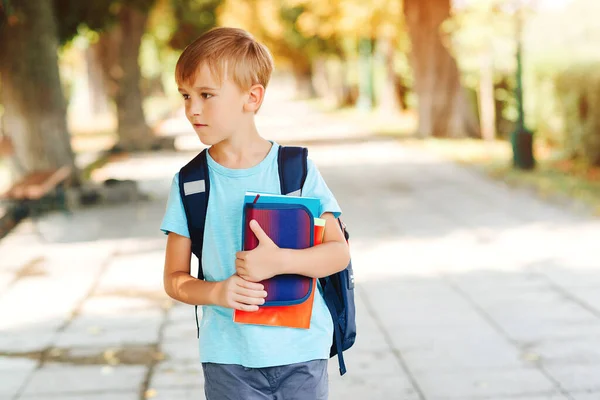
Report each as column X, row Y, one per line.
column 235, row 292
column 261, row 263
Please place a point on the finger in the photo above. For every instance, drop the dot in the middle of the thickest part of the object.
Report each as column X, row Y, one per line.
column 258, row 231
column 252, row 301
column 251, row 293
column 245, row 307
column 250, row 285
column 242, row 273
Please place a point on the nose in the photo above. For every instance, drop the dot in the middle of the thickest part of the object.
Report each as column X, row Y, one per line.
column 194, row 107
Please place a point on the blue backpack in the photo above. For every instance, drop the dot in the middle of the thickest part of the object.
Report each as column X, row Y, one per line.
column 338, row 289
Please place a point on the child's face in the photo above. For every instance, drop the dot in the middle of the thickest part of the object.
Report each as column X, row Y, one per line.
column 215, row 111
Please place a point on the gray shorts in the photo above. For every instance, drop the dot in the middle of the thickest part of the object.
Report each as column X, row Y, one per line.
column 303, row 381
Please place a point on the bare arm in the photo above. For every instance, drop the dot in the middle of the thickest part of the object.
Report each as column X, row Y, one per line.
column 233, row 292
column 319, row 261
column 178, row 282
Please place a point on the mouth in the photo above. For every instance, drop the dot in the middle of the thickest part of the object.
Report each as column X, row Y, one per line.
column 199, row 125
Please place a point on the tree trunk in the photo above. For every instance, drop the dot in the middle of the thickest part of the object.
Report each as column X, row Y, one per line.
column 487, row 103
column 444, row 110
column 98, row 96
column 389, row 101
column 320, row 78
column 34, row 104
column 303, row 76
column 119, row 51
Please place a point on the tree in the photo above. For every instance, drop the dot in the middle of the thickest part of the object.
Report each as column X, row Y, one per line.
column 444, row 108
column 118, row 50
column 483, row 35
column 121, row 25
column 34, row 105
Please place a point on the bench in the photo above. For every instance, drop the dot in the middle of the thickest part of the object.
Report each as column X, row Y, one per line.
column 38, row 190
column 36, row 185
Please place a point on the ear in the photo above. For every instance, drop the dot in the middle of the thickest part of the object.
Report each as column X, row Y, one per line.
column 256, row 95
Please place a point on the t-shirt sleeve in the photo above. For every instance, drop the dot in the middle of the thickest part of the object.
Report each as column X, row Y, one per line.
column 315, row 186
column 174, row 219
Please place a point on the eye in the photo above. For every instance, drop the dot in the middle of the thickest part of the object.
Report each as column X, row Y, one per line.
column 206, row 96
column 185, row 96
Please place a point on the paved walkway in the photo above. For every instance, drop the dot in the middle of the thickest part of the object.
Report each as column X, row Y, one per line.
column 466, row 290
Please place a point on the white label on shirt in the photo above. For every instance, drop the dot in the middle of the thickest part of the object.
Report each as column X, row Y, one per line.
column 295, row 193
column 194, row 187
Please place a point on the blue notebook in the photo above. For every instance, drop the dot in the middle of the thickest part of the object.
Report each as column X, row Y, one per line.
column 312, row 203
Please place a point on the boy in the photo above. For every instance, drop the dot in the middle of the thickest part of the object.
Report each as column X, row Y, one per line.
column 222, row 77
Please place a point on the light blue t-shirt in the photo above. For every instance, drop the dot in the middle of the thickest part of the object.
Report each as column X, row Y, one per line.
column 221, row 340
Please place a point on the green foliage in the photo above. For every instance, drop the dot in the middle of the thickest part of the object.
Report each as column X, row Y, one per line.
column 578, row 90
column 5, row 11
column 295, row 38
column 193, row 18
column 560, row 61
column 96, row 15
column 72, row 14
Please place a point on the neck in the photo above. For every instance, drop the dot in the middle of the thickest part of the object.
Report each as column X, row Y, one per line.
column 241, row 150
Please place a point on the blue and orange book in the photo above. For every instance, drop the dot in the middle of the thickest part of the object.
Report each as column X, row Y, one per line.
column 289, row 221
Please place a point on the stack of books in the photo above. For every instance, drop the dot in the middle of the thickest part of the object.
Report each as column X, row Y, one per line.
column 291, row 223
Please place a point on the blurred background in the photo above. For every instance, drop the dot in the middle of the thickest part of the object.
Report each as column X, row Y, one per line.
column 461, row 138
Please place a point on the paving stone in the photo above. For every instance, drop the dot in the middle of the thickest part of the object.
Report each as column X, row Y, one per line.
column 584, row 277
column 470, row 384
column 372, row 386
column 85, row 396
column 548, row 304
column 576, row 378
column 134, row 272
column 182, row 350
column 13, row 256
column 180, row 331
column 66, row 379
column 365, row 363
column 187, row 393
column 182, row 313
column 14, row 373
column 470, row 352
column 6, row 278
column 538, row 330
column 589, row 296
column 550, row 396
column 36, row 301
column 100, row 334
column 418, row 337
column 25, row 340
column 12, row 381
column 576, row 351
column 585, row 396
column 122, row 303
column 500, row 283
column 177, row 374
column 116, row 328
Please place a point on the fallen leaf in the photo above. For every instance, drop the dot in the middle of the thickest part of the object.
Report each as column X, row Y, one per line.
column 531, row 357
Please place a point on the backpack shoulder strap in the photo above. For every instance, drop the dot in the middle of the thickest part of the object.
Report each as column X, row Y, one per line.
column 293, row 168
column 194, row 188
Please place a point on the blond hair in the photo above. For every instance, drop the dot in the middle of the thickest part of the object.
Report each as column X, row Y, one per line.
column 230, row 52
